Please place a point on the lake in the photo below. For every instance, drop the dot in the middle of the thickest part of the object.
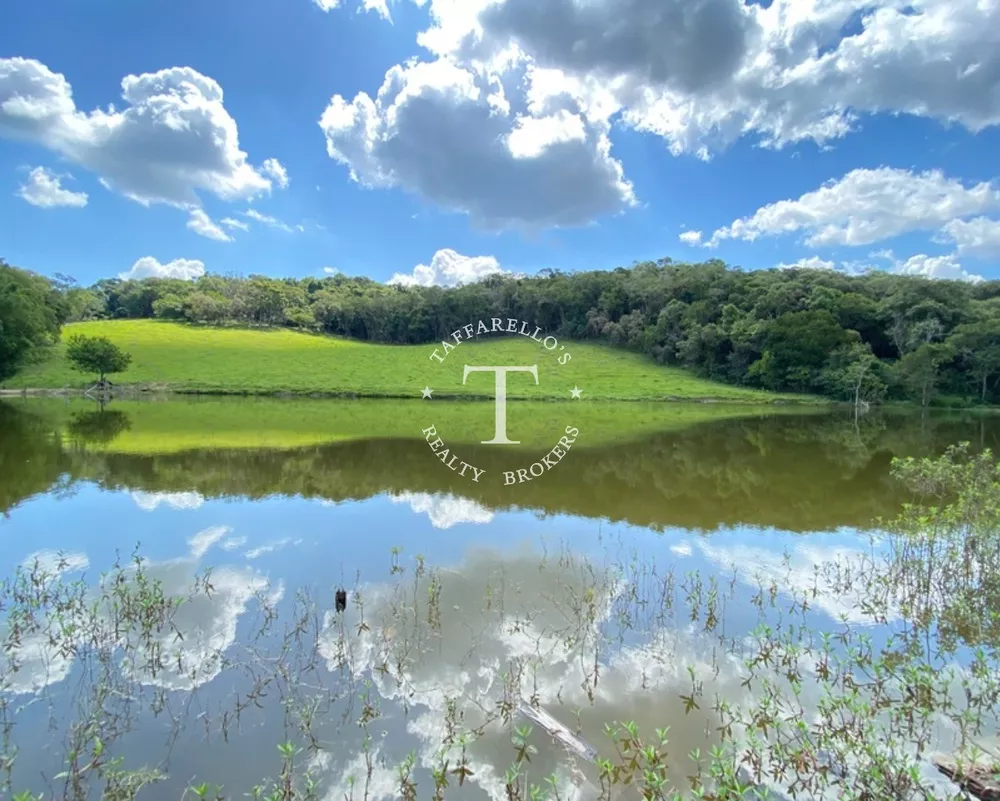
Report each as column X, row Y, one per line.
column 628, row 583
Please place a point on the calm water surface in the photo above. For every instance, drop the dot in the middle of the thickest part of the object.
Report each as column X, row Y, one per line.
column 450, row 584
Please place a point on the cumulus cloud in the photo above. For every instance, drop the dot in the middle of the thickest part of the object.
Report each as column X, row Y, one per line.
column 276, row 170
column 809, row 263
column 867, row 206
column 941, row 267
column 44, row 189
column 172, row 140
column 203, row 225
column 448, row 133
column 448, row 268
column 445, row 511
column 978, row 237
column 691, row 237
column 550, row 77
column 945, row 267
column 149, row 267
column 703, row 72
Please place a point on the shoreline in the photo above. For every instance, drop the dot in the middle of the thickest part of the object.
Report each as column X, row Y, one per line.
column 126, row 392
column 160, row 392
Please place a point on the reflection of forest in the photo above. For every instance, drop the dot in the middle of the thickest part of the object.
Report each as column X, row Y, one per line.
column 799, row 474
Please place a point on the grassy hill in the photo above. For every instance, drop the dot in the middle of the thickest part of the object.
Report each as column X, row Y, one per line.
column 184, row 358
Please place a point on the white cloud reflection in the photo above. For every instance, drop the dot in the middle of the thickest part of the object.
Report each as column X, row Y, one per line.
column 149, row 501
column 445, row 511
column 203, row 627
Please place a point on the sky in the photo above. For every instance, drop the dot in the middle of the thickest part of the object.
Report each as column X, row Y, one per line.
column 438, row 141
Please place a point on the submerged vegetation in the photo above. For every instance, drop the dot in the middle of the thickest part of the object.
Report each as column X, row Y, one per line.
column 657, row 689
column 862, row 339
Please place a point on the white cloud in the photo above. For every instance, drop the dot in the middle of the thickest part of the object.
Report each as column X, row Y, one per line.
column 276, row 170
column 44, row 189
column 173, row 139
column 448, row 268
column 809, row 263
column 867, row 206
column 273, row 222
column 514, row 75
column 942, row 267
column 447, row 133
column 978, row 237
column 203, row 225
column 149, row 501
column 706, row 73
column 937, row 267
column 691, row 237
column 327, row 5
column 445, row 511
column 229, row 222
column 149, row 267
column 332, row 271
column 380, row 7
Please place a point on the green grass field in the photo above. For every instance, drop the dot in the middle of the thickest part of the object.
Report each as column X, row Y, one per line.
column 183, row 358
column 193, row 423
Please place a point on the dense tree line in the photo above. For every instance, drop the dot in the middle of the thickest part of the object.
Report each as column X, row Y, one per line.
column 32, row 311
column 863, row 338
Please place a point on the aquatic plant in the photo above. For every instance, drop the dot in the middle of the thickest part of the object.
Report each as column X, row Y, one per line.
column 540, row 648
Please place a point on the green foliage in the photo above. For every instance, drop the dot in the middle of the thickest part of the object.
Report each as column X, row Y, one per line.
column 775, row 329
column 96, row 355
column 31, row 313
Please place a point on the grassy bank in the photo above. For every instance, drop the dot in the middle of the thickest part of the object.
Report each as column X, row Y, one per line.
column 183, row 358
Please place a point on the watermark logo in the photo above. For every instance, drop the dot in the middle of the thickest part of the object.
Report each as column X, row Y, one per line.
column 502, row 376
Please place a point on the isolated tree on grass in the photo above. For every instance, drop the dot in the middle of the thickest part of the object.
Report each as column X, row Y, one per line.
column 97, row 355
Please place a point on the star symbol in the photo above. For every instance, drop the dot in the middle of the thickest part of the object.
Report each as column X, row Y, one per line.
column 427, row 392
column 575, row 392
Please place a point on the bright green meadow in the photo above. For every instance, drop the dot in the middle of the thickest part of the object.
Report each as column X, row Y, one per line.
column 184, row 358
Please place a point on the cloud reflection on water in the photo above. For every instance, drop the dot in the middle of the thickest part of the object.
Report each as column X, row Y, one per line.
column 445, row 511
column 520, row 615
column 204, row 626
column 150, row 501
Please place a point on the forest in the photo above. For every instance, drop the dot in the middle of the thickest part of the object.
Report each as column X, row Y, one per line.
column 864, row 339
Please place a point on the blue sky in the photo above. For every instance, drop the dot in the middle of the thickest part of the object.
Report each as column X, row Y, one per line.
column 508, row 135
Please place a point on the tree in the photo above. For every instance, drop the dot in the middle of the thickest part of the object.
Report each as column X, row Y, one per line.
column 979, row 345
column 920, row 369
column 31, row 313
column 853, row 369
column 97, row 355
